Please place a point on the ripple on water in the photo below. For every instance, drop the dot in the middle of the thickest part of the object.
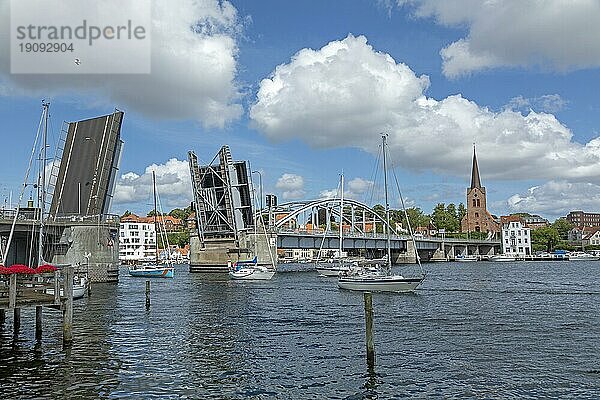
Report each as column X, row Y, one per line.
column 481, row 330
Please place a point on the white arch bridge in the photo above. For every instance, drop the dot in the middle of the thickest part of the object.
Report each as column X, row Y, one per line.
column 315, row 225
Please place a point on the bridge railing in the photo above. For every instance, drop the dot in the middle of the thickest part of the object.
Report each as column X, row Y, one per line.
column 373, row 235
column 31, row 215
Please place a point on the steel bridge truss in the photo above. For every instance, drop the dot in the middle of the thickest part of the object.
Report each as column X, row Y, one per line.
column 357, row 217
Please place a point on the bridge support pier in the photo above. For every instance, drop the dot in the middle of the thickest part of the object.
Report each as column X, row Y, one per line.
column 218, row 252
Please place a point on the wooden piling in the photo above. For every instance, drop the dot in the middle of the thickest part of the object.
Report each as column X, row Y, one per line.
column 38, row 322
column 2, row 318
column 68, row 306
column 12, row 291
column 16, row 320
column 147, row 294
column 368, row 298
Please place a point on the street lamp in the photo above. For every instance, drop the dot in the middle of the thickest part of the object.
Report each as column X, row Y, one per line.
column 261, row 187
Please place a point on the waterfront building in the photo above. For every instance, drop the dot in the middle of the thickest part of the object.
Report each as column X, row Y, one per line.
column 137, row 240
column 516, row 236
column 592, row 237
column 477, row 218
column 580, row 218
column 535, row 221
column 584, row 236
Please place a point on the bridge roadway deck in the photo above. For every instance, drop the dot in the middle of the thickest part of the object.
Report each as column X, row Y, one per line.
column 287, row 239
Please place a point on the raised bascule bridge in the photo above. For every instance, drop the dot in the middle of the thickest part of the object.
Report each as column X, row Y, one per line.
column 228, row 228
column 78, row 228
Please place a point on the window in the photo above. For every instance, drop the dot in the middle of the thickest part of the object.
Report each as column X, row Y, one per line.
column 476, row 215
column 474, row 203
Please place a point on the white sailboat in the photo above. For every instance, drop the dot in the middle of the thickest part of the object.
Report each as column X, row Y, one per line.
column 335, row 266
column 382, row 280
column 250, row 270
column 156, row 269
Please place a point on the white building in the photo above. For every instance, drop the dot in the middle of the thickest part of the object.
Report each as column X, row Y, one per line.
column 516, row 236
column 137, row 242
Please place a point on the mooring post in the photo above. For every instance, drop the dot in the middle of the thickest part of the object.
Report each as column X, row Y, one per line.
column 2, row 318
column 68, row 306
column 147, row 294
column 368, row 297
column 16, row 320
column 38, row 322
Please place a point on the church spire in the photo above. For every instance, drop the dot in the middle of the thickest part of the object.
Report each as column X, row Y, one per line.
column 475, row 180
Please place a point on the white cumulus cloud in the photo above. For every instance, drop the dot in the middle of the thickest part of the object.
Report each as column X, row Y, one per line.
column 550, row 103
column 173, row 184
column 553, row 34
column 291, row 185
column 194, row 67
column 557, row 198
column 347, row 93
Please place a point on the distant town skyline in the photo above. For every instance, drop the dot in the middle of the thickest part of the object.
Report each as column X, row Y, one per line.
column 303, row 90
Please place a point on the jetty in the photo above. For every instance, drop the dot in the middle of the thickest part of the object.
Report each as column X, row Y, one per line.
column 52, row 290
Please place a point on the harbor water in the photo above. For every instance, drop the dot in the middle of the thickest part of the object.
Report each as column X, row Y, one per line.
column 483, row 330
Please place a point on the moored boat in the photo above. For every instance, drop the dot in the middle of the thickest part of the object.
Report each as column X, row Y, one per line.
column 152, row 271
column 466, row 258
column 156, row 269
column 249, row 270
column 502, row 258
column 582, row 256
column 375, row 278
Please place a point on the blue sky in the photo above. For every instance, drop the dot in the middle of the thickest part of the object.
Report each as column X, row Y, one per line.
column 524, row 91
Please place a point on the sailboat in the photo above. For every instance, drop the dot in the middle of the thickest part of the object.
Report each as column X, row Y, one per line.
column 155, row 270
column 381, row 279
column 250, row 270
column 339, row 264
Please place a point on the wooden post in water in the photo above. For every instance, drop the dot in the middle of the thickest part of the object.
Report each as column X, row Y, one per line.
column 2, row 318
column 368, row 297
column 68, row 306
column 16, row 320
column 147, row 294
column 38, row 322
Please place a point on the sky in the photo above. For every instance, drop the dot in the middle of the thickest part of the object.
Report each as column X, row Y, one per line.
column 303, row 90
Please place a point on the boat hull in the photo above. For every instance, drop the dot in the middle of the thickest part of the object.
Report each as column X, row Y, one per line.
column 152, row 272
column 252, row 274
column 502, row 258
column 380, row 284
column 78, row 291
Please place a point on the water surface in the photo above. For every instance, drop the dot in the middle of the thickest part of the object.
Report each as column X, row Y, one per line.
column 485, row 330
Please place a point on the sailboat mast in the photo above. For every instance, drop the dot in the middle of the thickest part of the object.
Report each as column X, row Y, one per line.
column 156, row 232
column 342, row 215
column 42, row 185
column 387, row 205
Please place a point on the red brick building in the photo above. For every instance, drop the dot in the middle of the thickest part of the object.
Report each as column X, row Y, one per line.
column 477, row 218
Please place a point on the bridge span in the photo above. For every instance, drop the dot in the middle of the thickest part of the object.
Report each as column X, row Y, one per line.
column 229, row 228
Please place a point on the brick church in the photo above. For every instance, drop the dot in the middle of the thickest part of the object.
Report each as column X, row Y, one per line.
column 477, row 218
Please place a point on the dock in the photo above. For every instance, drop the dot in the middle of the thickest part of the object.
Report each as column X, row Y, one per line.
column 51, row 290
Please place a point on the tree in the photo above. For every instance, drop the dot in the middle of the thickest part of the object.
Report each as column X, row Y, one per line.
column 127, row 213
column 563, row 227
column 416, row 217
column 179, row 213
column 151, row 213
column 461, row 212
column 438, row 216
column 453, row 221
column 545, row 238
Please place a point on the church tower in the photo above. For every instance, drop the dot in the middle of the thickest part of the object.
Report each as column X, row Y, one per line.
column 477, row 218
